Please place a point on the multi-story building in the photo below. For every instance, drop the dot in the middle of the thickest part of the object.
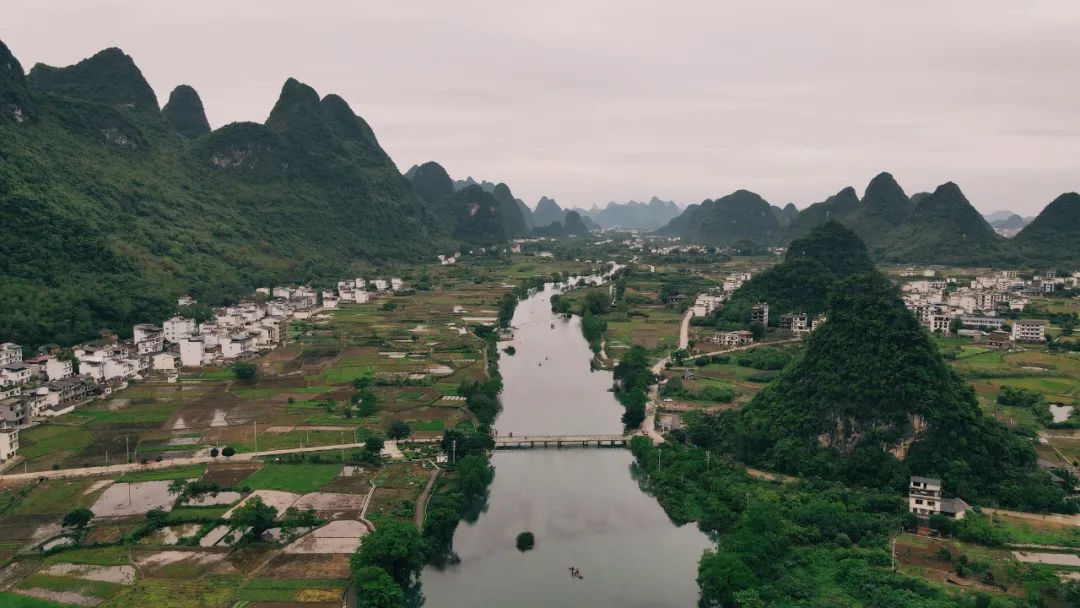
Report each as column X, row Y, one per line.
column 10, row 353
column 760, row 313
column 706, row 304
column 1029, row 330
column 991, row 323
column 924, row 499
column 178, row 328
column 738, row 337
column 9, row 443
column 57, row 368
column 148, row 338
column 796, row 322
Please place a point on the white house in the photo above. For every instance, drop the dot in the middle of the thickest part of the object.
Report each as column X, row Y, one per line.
column 192, row 351
column 738, row 337
column 178, row 328
column 1029, row 330
column 396, row 284
column 9, row 443
column 705, row 304
column 282, row 292
column 14, row 374
column 238, row 345
column 165, row 362
column 57, row 368
column 361, row 297
column 924, row 499
column 10, row 353
column 148, row 338
column 380, row 284
column 186, row 301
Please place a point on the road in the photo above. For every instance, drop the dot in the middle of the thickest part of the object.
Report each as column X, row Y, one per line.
column 648, row 426
column 165, row 464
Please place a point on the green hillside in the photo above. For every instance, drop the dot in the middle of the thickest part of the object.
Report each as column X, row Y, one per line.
column 474, row 215
column 802, row 281
column 1053, row 237
column 112, row 209
column 944, row 228
column 739, row 217
column 871, row 402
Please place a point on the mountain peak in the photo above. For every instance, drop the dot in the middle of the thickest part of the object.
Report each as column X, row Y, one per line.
column 108, row 77
column 297, row 104
column 345, row 122
column 431, row 181
column 185, row 112
column 883, row 188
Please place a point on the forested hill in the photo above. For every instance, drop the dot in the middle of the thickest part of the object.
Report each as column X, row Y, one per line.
column 871, row 402
column 474, row 214
column 802, row 281
column 932, row 228
column 113, row 208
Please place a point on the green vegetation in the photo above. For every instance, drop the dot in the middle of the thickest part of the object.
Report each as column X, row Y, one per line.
column 14, row 600
column 525, row 541
column 298, row 478
column 868, row 379
column 801, row 283
column 815, row 544
column 633, row 377
column 113, row 211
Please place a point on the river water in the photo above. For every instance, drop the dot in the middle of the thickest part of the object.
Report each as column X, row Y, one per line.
column 582, row 504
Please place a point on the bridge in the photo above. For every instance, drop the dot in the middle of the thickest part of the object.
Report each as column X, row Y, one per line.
column 558, row 441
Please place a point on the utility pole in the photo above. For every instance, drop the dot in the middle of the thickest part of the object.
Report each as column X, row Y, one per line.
column 127, row 448
column 453, row 452
column 106, row 459
column 658, row 468
column 255, row 423
column 892, row 551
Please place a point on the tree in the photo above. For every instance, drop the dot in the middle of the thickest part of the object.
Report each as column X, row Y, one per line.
column 720, row 575
column 244, row 371
column 228, row 451
column 79, row 518
column 525, row 541
column 377, row 589
column 374, row 444
column 256, row 514
column 399, row 429
column 474, row 475
column 394, row 547
column 214, row 452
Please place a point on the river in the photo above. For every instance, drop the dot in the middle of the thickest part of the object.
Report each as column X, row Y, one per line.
column 582, row 504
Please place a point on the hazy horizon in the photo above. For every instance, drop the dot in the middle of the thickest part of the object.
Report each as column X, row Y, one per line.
column 609, row 101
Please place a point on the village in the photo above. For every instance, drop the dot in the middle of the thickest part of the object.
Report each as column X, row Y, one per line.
column 52, row 384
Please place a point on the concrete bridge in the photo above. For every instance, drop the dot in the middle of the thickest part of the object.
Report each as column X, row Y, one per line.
column 558, row 441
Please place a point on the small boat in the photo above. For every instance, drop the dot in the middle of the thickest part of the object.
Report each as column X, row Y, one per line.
column 552, row 326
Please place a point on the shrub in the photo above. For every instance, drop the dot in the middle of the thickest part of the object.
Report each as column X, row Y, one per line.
column 228, row 451
column 525, row 541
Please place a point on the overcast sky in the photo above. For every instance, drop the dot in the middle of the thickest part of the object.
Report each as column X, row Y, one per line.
column 590, row 101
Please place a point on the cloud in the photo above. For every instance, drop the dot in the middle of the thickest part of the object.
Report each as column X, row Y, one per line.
column 590, row 101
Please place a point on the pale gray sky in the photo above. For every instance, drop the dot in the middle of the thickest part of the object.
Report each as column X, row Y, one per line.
column 589, row 101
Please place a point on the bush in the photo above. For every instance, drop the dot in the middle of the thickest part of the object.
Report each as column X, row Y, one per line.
column 228, row 451
column 525, row 541
column 399, row 429
column 244, row 371
column 214, row 452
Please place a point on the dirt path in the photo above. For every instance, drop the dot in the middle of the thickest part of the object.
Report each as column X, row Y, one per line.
column 1064, row 520
column 422, row 500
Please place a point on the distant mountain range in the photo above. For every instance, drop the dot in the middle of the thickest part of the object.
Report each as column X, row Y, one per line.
column 938, row 227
